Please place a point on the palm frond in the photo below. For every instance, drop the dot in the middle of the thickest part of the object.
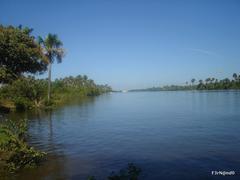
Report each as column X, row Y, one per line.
column 59, row 54
column 40, row 40
column 52, row 47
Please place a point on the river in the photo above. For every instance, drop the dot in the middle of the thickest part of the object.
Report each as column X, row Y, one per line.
column 169, row 135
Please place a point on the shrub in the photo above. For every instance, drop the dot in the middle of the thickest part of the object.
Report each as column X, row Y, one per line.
column 132, row 172
column 25, row 92
column 14, row 152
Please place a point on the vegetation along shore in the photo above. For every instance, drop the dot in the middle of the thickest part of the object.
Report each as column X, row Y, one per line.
column 22, row 57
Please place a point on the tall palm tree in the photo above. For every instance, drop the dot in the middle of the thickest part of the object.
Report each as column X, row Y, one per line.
column 52, row 48
column 212, row 80
column 235, row 76
column 193, row 80
column 208, row 80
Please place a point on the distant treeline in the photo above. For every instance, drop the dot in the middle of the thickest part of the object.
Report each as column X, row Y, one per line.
column 79, row 84
column 207, row 84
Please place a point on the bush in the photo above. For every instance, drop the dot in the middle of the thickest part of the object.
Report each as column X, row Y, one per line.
column 25, row 92
column 132, row 172
column 14, row 152
column 22, row 103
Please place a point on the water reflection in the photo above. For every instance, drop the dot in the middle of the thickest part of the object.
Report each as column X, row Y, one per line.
column 171, row 135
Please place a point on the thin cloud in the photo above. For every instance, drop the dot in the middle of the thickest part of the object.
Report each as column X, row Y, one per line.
column 203, row 51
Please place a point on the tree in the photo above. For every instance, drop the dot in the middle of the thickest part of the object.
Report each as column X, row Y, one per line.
column 212, row 80
column 25, row 92
column 207, row 80
column 85, row 78
column 235, row 76
column 19, row 53
column 193, row 80
column 51, row 46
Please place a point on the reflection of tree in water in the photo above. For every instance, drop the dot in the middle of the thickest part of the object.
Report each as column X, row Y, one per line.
column 43, row 135
column 50, row 126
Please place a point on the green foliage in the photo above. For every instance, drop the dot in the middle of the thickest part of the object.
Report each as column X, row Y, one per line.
column 14, row 152
column 19, row 53
column 25, row 92
column 24, row 157
column 215, row 84
column 166, row 88
column 79, row 84
column 28, row 92
column 91, row 178
column 52, row 48
column 14, row 129
column 132, row 172
column 208, row 84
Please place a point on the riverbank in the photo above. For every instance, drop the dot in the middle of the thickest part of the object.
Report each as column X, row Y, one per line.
column 29, row 93
column 15, row 153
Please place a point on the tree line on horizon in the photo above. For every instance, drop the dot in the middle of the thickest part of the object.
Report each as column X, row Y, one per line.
column 214, row 83
column 207, row 84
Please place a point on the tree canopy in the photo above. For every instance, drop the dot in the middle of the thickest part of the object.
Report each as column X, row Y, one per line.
column 19, row 53
column 52, row 47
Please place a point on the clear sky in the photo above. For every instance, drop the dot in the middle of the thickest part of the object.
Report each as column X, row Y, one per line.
column 134, row 43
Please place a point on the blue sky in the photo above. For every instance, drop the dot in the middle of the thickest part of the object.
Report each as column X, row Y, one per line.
column 134, row 43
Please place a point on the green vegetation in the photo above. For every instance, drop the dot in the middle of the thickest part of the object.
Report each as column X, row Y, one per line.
column 215, row 84
column 132, row 172
column 24, row 93
column 14, row 152
column 28, row 92
column 208, row 84
column 19, row 54
column 52, row 49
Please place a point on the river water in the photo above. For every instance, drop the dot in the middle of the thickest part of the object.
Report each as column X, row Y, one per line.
column 169, row 135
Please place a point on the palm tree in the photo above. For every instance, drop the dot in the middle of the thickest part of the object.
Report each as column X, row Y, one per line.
column 200, row 85
column 207, row 80
column 85, row 78
column 235, row 76
column 193, row 80
column 51, row 46
column 212, row 80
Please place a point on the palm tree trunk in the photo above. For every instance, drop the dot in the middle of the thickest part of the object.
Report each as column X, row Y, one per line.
column 49, row 81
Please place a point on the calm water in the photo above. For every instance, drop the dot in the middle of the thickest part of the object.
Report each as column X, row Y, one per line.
column 170, row 135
